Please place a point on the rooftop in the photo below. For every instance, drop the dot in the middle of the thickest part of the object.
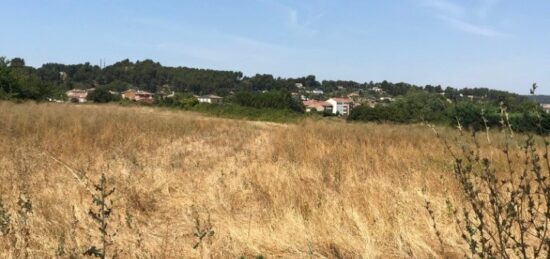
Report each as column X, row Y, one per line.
column 315, row 103
column 211, row 96
column 344, row 100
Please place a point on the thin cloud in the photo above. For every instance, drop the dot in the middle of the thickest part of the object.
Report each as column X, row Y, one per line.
column 486, row 7
column 303, row 23
column 472, row 28
column 444, row 6
column 460, row 17
column 204, row 44
column 295, row 18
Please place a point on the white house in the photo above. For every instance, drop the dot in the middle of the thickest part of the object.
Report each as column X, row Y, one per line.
column 377, row 89
column 138, row 96
column 77, row 95
column 210, row 99
column 319, row 106
column 341, row 106
column 386, row 99
column 318, row 91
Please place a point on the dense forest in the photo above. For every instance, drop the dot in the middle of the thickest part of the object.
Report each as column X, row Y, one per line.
column 410, row 103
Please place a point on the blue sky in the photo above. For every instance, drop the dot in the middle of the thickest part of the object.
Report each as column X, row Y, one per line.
column 501, row 44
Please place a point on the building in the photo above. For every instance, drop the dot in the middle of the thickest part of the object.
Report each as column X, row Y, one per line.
column 318, row 92
column 386, row 99
column 299, row 96
column 210, row 98
column 137, row 96
column 77, row 95
column 320, row 106
column 341, row 106
column 377, row 89
column 545, row 107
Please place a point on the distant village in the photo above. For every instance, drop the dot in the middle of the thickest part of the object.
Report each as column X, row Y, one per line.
column 312, row 100
column 81, row 96
column 340, row 102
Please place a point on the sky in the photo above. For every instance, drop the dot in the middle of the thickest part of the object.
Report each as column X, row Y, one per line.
column 500, row 44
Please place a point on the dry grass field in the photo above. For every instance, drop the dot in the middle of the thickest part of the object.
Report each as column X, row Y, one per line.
column 314, row 189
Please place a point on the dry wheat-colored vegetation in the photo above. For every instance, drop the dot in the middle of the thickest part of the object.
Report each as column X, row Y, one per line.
column 189, row 186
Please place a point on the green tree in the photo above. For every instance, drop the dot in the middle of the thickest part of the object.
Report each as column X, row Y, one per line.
column 17, row 62
column 102, row 95
column 180, row 100
column 8, row 85
column 271, row 100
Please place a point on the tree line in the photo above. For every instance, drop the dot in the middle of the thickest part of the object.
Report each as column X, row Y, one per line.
column 425, row 107
column 152, row 76
column 262, row 91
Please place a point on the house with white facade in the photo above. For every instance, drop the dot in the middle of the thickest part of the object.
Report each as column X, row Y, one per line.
column 377, row 89
column 341, row 106
column 319, row 106
column 210, row 98
column 318, row 92
column 77, row 95
column 138, row 96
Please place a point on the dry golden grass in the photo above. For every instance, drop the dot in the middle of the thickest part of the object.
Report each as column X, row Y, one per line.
column 306, row 190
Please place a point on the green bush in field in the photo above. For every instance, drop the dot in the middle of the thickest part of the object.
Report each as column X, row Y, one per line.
column 270, row 100
column 230, row 110
column 102, row 95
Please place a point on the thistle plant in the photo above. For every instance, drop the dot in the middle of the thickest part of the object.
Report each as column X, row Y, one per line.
column 100, row 216
column 24, row 234
column 506, row 208
column 203, row 229
column 434, row 225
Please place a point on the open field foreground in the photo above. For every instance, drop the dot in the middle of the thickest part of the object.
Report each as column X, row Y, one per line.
column 309, row 190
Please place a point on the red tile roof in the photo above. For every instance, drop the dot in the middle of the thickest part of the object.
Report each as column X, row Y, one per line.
column 344, row 100
column 315, row 103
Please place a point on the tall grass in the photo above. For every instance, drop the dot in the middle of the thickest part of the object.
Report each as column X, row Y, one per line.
column 309, row 189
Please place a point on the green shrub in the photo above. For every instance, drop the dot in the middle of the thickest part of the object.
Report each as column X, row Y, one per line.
column 234, row 111
column 102, row 95
column 179, row 100
column 269, row 100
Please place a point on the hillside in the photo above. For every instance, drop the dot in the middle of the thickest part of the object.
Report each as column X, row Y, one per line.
column 51, row 80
